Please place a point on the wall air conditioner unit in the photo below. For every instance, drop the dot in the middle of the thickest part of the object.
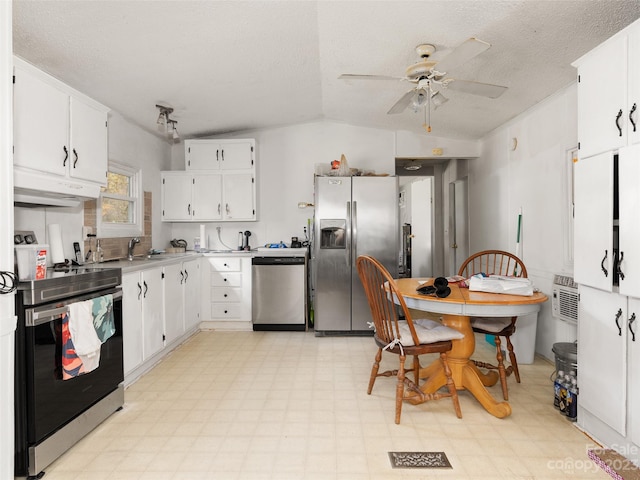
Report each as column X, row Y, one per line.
column 564, row 299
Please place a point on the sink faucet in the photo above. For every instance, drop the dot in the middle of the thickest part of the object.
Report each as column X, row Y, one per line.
column 132, row 243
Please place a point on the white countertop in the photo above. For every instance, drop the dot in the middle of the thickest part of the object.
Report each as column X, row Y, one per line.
column 150, row 261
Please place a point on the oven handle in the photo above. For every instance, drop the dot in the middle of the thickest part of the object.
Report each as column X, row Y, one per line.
column 33, row 319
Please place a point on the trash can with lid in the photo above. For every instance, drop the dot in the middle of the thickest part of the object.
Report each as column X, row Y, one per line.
column 566, row 355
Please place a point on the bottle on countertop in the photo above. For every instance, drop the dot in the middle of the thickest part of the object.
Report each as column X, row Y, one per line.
column 99, row 253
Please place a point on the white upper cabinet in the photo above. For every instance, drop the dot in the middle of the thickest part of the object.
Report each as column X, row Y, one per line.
column 609, row 94
column 237, row 154
column 218, row 184
column 188, row 196
column 57, row 130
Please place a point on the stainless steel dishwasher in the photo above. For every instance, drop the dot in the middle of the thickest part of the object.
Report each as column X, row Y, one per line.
column 279, row 293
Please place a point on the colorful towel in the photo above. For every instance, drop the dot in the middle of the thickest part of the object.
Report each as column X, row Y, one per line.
column 103, row 321
column 91, row 323
column 71, row 364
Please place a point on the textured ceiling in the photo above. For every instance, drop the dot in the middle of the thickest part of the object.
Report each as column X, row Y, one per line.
column 235, row 65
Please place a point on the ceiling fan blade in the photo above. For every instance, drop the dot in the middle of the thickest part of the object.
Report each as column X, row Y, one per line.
column 403, row 103
column 352, row 76
column 465, row 52
column 475, row 88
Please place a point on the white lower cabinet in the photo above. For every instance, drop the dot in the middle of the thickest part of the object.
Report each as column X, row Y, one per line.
column 608, row 376
column 160, row 308
column 230, row 284
column 181, row 298
column 142, row 316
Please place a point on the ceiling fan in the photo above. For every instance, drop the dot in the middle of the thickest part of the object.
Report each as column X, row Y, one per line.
column 430, row 78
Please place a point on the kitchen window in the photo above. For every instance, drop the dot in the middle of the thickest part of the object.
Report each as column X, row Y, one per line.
column 119, row 209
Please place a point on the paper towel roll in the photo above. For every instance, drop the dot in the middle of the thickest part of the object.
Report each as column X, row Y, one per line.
column 54, row 233
column 203, row 238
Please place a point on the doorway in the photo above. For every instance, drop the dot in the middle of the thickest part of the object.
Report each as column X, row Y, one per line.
column 458, row 223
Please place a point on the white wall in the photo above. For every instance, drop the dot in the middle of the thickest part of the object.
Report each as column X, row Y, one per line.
column 534, row 177
column 130, row 145
column 7, row 317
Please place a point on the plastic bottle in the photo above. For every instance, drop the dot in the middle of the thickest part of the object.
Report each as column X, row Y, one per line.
column 99, row 253
column 557, row 386
column 572, row 400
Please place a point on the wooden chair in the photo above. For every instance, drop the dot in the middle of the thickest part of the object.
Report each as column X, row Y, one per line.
column 496, row 262
column 403, row 337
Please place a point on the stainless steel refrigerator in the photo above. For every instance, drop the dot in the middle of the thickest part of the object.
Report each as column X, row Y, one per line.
column 353, row 216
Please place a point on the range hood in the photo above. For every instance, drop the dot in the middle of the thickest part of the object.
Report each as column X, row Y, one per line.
column 37, row 189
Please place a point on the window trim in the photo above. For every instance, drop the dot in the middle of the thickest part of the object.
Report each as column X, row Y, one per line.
column 136, row 228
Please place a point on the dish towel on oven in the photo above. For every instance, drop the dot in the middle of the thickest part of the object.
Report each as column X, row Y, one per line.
column 90, row 325
column 71, row 364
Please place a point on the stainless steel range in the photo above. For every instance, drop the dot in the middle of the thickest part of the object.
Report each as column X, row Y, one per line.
column 55, row 406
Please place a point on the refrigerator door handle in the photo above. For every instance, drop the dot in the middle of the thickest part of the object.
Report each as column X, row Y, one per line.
column 349, row 234
column 354, row 230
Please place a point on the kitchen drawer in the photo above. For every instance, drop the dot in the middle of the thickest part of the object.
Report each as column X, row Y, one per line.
column 226, row 294
column 224, row 279
column 225, row 264
column 226, row 310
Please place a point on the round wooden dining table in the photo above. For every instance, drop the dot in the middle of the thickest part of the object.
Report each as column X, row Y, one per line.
column 456, row 310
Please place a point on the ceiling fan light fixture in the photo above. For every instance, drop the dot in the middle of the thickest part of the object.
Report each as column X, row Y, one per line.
column 438, row 100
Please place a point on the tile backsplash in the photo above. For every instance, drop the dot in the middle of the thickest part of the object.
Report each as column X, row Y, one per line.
column 117, row 247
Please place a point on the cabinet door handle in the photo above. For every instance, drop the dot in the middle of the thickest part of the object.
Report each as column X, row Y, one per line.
column 189, row 209
column 75, row 160
column 618, row 122
column 66, row 156
column 606, row 273
column 618, row 315
column 222, row 154
column 226, row 207
column 217, row 153
column 631, row 320
column 618, row 269
column 224, row 279
column 186, row 276
column 181, row 278
column 219, row 206
column 139, row 290
column 631, row 112
column 146, row 288
column 225, row 295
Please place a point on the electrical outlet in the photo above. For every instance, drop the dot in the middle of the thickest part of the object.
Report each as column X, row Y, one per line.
column 86, row 231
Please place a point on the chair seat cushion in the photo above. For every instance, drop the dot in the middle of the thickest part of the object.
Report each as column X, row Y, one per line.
column 428, row 331
column 490, row 324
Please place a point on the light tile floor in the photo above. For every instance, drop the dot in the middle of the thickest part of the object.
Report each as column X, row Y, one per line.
column 289, row 405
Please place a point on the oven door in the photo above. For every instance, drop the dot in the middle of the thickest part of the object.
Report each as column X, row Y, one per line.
column 44, row 401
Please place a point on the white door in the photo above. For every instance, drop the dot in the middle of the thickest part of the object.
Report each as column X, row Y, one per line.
column 206, row 196
column 604, row 106
column 629, row 225
column 176, row 196
column 131, row 321
column 173, row 301
column 459, row 224
column 633, row 344
column 40, row 125
column 237, row 155
column 88, row 140
column 202, row 155
column 239, row 196
column 192, row 290
column 152, row 311
column 602, row 355
column 593, row 221
column 421, row 231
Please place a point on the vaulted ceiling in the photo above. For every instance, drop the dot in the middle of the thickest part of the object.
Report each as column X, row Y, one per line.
column 235, row 65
